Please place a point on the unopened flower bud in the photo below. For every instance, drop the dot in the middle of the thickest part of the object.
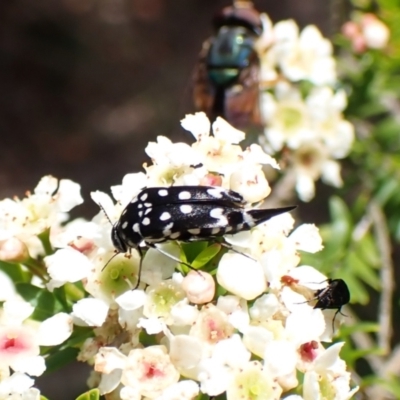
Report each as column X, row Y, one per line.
column 199, row 287
column 13, row 250
column 375, row 32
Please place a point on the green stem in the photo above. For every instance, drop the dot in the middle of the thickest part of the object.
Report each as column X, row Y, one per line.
column 37, row 268
column 44, row 237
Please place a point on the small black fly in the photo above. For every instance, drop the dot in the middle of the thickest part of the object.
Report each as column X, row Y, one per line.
column 332, row 297
column 184, row 213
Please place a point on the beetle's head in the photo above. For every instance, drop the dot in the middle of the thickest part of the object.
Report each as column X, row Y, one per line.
column 117, row 240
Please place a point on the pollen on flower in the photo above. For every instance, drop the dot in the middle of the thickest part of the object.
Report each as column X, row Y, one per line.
column 161, row 298
column 212, row 325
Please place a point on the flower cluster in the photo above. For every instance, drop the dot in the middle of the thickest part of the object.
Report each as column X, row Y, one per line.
column 244, row 326
column 302, row 112
column 24, row 229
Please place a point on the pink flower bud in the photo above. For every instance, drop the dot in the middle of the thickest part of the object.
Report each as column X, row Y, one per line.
column 13, row 250
column 199, row 287
column 375, row 32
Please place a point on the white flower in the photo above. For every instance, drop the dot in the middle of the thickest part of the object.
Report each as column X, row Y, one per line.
column 149, row 371
column 66, row 265
column 132, row 184
column 18, row 386
column 241, row 275
column 286, row 117
column 19, row 341
column 43, row 209
column 252, row 380
column 329, row 375
column 306, row 56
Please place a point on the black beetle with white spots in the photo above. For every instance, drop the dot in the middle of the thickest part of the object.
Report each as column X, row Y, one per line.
column 185, row 213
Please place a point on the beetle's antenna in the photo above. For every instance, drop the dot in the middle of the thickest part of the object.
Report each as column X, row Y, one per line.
column 109, row 220
column 108, row 262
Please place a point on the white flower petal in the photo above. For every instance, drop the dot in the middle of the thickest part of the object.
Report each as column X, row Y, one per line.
column 225, row 132
column 185, row 351
column 183, row 390
column 67, row 265
column 16, row 311
column 241, row 275
column 307, row 238
column 198, row 124
column 109, row 359
column 34, row 366
column 151, row 325
column 110, row 381
column 92, row 311
column 131, row 299
column 7, row 291
column 331, row 173
column 280, row 357
column 55, row 330
column 305, row 187
column 46, row 186
column 69, row 195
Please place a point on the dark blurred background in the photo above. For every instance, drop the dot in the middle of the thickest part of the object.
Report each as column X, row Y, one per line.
column 85, row 84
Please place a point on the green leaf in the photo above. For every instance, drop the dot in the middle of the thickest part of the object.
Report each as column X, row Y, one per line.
column 14, row 271
column 359, row 294
column 60, row 358
column 59, row 293
column 386, row 191
column 43, row 398
column 43, row 301
column 341, row 216
column 362, row 270
column 191, row 250
column 79, row 335
column 206, row 256
column 93, row 394
column 367, row 251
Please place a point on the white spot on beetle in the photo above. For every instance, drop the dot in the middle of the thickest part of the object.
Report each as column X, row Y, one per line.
column 148, row 204
column 135, row 228
column 218, row 213
column 185, row 195
column 124, row 212
column 186, row 209
column 124, row 225
column 140, row 205
column 163, row 192
column 140, row 213
column 175, row 235
column 167, row 230
column 149, row 210
column 194, row 231
column 215, row 231
column 165, row 216
column 248, row 219
column 215, row 192
column 144, row 196
column 146, row 221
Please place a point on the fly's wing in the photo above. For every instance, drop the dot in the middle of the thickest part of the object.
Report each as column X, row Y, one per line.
column 190, row 221
column 241, row 107
column 168, row 196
